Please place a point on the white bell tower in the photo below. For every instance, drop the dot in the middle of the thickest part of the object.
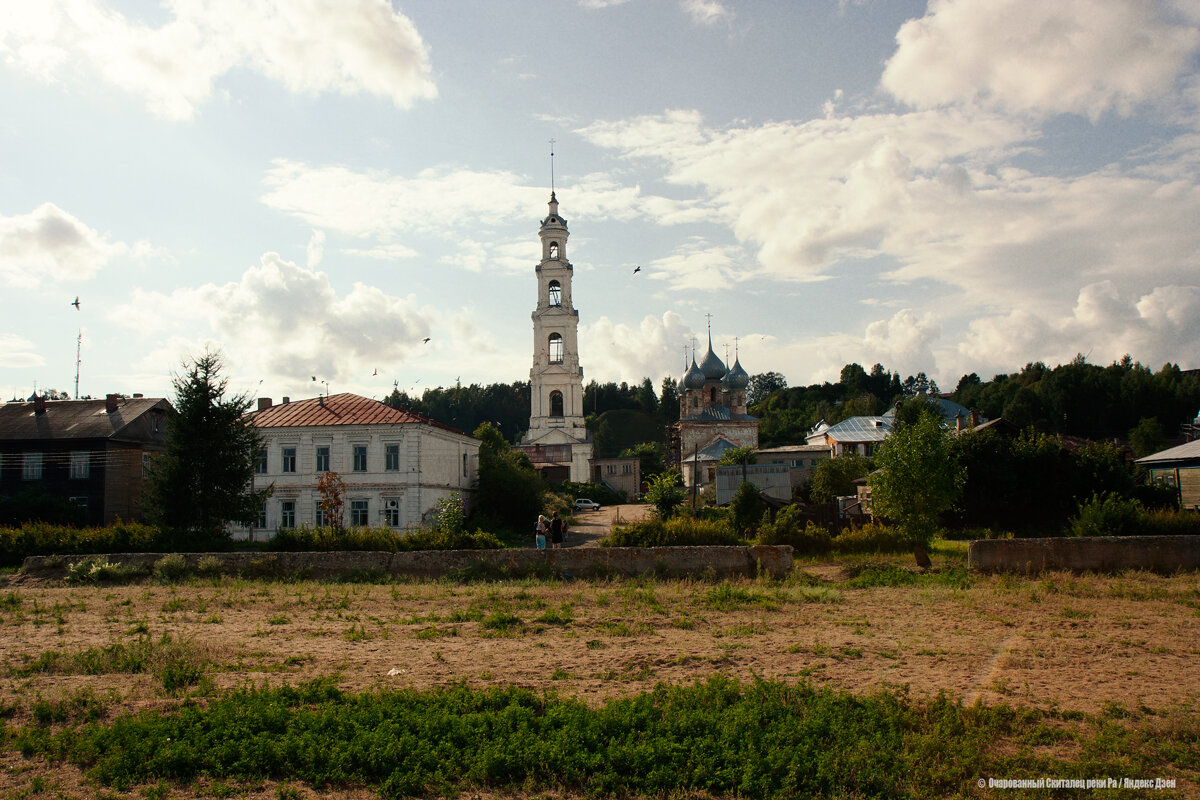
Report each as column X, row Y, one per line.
column 562, row 448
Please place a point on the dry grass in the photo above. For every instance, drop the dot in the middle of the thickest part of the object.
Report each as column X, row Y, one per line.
column 1075, row 644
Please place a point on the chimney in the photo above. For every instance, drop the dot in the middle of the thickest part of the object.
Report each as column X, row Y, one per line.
column 974, row 418
column 110, row 403
column 320, row 399
column 959, row 422
column 264, row 403
column 39, row 404
column 286, row 399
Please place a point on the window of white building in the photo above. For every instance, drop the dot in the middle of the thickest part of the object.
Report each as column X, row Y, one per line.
column 323, row 458
column 391, row 512
column 360, row 458
column 391, row 457
column 288, row 459
column 358, row 513
column 287, row 513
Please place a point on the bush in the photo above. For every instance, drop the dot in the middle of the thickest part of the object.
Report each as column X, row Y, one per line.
column 171, row 567
column 747, row 507
column 43, row 539
column 790, row 527
column 873, row 537
column 326, row 539
column 1164, row 522
column 681, row 531
column 99, row 570
column 1107, row 515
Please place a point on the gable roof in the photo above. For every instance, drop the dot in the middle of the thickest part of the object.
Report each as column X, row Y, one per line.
column 1184, row 452
column 861, row 429
column 339, row 409
column 74, row 419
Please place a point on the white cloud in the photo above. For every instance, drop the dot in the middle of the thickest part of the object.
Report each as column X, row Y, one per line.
column 706, row 12
column 699, row 265
column 17, row 351
column 313, row 46
column 442, row 201
column 315, row 250
column 48, row 244
column 1159, row 326
column 383, row 252
column 905, row 344
column 285, row 322
column 1086, row 57
column 611, row 351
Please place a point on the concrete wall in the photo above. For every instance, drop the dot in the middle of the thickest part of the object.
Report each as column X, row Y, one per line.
column 1086, row 554
column 579, row 562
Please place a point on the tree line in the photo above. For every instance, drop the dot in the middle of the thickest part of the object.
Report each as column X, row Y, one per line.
column 1124, row 400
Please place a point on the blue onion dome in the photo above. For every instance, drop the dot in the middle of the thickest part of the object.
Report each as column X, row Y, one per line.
column 712, row 367
column 737, row 378
column 693, row 378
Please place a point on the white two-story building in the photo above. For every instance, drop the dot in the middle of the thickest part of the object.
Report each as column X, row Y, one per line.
column 395, row 464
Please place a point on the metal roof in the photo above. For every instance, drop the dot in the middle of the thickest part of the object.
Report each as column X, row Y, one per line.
column 1184, row 452
column 74, row 419
column 339, row 409
column 860, row 429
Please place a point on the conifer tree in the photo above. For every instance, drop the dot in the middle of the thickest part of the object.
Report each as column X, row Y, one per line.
column 204, row 480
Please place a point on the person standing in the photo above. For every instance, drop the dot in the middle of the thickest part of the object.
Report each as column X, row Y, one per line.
column 539, row 532
column 556, row 531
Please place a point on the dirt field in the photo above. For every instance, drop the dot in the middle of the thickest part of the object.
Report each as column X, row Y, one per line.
column 1075, row 643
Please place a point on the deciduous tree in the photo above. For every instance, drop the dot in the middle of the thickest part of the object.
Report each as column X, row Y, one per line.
column 917, row 478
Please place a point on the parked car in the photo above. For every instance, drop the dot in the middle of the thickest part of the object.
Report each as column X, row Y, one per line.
column 583, row 504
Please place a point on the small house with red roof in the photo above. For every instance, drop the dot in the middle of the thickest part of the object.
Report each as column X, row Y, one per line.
column 396, row 464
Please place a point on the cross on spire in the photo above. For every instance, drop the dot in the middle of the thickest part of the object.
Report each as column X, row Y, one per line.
column 551, row 166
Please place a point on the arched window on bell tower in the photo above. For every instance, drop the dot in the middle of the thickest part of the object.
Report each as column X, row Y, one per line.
column 556, row 348
column 555, row 293
column 556, row 404
column 554, row 249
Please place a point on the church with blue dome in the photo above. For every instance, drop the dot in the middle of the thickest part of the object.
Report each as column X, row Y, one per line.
column 713, row 416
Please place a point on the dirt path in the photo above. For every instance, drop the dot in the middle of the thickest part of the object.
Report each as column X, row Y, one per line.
column 591, row 526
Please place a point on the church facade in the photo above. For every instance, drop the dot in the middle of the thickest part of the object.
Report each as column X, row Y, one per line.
column 713, row 416
column 557, row 441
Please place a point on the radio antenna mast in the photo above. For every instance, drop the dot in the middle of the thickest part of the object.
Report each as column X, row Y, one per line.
column 78, row 347
column 551, row 166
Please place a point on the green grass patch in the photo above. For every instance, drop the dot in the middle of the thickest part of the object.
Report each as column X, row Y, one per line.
column 718, row 738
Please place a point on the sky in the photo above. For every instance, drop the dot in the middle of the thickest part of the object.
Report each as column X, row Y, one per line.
column 316, row 187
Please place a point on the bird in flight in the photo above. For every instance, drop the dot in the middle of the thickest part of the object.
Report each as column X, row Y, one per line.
column 376, row 372
column 637, row 269
column 76, row 303
column 426, row 340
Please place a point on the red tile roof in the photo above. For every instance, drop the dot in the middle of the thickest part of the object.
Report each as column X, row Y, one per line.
column 338, row 409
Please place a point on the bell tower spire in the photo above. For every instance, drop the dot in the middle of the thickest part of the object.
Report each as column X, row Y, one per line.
column 557, row 442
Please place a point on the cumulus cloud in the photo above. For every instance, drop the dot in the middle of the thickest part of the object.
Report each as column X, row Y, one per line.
column 48, row 244
column 904, row 343
column 17, row 351
column 344, row 46
column 613, row 351
column 289, row 322
column 1085, row 57
column 1159, row 326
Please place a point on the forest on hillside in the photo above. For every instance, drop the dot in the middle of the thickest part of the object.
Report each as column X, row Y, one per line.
column 1124, row 400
